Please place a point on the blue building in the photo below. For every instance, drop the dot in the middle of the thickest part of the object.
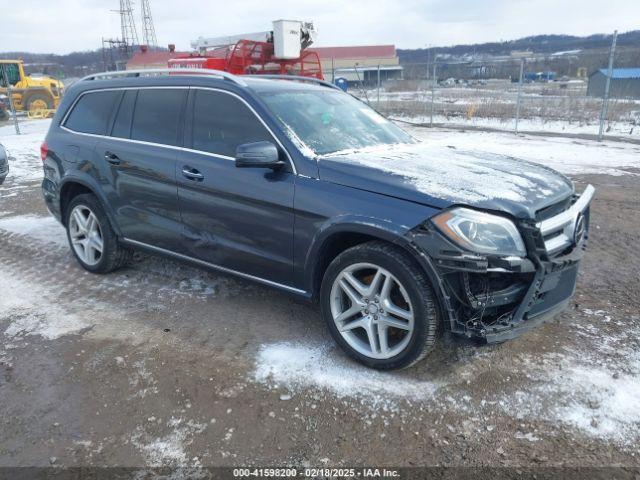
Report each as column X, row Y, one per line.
column 625, row 83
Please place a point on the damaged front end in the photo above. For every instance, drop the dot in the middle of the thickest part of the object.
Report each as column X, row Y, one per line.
column 496, row 295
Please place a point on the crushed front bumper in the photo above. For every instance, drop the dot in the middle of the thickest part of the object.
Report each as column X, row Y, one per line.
column 496, row 298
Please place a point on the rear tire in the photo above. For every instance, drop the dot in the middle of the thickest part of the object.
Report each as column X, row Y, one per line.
column 379, row 306
column 39, row 101
column 92, row 238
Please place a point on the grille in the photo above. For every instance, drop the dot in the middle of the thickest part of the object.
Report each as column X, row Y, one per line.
column 558, row 231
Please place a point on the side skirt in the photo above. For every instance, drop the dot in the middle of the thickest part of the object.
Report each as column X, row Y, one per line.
column 202, row 263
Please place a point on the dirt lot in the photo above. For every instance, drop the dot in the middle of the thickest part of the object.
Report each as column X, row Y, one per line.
column 161, row 364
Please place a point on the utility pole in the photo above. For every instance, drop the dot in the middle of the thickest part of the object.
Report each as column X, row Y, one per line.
column 148, row 30
column 607, row 85
column 519, row 94
column 428, row 60
column 434, row 82
column 378, row 85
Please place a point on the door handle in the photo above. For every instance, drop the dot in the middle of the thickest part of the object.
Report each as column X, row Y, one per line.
column 192, row 174
column 112, row 158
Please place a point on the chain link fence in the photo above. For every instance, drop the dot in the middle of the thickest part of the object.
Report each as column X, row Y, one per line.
column 486, row 97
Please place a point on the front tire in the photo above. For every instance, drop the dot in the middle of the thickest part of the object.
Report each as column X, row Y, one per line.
column 379, row 306
column 91, row 237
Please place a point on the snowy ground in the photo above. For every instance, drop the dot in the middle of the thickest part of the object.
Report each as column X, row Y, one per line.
column 162, row 364
column 544, row 108
column 541, row 125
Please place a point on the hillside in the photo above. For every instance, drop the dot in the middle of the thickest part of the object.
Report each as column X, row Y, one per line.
column 540, row 44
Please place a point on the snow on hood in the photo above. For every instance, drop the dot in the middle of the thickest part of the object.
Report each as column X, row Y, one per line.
column 439, row 175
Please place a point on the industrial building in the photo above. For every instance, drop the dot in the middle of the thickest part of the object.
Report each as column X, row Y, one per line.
column 145, row 59
column 625, row 83
column 360, row 64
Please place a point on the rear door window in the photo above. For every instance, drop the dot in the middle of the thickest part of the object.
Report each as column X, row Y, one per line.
column 157, row 115
column 221, row 122
column 93, row 112
column 122, row 123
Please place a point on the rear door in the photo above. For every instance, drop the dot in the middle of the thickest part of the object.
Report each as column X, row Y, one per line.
column 237, row 218
column 141, row 156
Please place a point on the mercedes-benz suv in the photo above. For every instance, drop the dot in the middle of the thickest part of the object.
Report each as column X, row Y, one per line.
column 295, row 184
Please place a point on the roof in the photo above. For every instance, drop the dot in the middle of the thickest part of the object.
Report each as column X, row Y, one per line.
column 152, row 58
column 365, row 51
column 254, row 82
column 620, row 73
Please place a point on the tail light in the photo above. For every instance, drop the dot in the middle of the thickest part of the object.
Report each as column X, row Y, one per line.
column 44, row 151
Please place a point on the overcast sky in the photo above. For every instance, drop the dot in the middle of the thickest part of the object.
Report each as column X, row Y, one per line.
column 62, row 26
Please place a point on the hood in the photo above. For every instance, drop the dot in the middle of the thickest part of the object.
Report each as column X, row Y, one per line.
column 444, row 176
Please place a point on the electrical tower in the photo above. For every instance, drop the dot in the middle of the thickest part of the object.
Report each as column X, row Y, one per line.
column 128, row 26
column 148, row 30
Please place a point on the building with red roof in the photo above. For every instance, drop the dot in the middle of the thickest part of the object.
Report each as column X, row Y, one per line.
column 145, row 59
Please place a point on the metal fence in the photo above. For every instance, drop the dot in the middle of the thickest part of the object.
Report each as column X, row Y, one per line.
column 559, row 106
column 475, row 98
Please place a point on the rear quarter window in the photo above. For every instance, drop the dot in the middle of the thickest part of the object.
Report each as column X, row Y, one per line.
column 122, row 122
column 92, row 112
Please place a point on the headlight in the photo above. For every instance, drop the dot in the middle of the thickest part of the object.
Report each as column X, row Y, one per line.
column 481, row 232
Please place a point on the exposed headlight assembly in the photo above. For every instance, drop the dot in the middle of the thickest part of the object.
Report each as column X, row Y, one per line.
column 481, row 232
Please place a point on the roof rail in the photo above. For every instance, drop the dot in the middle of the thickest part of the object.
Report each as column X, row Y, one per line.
column 298, row 78
column 165, row 71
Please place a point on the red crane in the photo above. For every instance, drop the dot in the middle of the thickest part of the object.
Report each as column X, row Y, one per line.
column 281, row 51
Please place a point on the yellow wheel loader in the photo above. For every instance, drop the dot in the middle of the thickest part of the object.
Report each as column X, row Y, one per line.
column 38, row 96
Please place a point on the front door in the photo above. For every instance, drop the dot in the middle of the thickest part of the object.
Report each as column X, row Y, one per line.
column 237, row 218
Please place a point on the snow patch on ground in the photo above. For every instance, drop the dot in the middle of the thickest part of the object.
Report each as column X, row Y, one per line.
column 573, row 388
column 169, row 450
column 598, row 403
column 542, row 125
column 299, row 366
column 23, row 150
column 42, row 229
column 29, row 312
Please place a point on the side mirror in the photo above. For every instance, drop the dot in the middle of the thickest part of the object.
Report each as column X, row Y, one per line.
column 258, row 155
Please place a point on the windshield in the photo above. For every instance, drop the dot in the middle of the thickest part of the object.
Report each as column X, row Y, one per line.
column 330, row 121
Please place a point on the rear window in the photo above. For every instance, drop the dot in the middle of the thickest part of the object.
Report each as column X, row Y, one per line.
column 157, row 115
column 92, row 112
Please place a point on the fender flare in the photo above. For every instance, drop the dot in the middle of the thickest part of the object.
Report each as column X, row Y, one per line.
column 90, row 183
column 347, row 224
column 386, row 231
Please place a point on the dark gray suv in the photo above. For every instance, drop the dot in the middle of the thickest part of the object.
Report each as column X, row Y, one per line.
column 297, row 185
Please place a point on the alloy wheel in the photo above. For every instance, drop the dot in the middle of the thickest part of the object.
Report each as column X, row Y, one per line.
column 372, row 310
column 86, row 235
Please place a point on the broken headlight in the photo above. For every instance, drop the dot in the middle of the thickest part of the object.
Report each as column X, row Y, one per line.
column 481, row 232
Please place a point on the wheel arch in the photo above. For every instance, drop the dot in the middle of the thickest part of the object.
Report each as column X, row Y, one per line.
column 338, row 238
column 74, row 186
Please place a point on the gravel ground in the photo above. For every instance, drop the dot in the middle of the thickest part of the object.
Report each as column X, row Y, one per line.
column 162, row 364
